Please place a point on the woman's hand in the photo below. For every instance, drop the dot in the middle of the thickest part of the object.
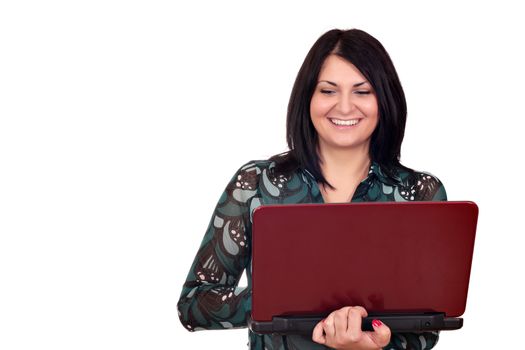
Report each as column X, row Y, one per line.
column 342, row 330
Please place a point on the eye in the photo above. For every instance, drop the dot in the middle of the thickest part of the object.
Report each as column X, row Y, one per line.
column 327, row 92
column 362, row 92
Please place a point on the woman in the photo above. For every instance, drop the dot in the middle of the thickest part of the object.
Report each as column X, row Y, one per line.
column 345, row 124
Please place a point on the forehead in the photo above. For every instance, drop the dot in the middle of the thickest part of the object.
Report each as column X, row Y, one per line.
column 339, row 70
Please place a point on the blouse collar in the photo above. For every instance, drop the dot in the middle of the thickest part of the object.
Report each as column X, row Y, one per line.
column 374, row 171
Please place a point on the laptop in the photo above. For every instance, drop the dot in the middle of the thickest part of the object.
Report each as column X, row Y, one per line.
column 406, row 263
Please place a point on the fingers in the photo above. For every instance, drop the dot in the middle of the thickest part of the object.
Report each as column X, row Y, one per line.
column 325, row 329
column 342, row 328
column 329, row 325
column 355, row 318
column 341, row 321
column 318, row 334
column 361, row 310
column 381, row 334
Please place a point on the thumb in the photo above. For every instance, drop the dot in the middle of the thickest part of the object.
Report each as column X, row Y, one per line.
column 381, row 334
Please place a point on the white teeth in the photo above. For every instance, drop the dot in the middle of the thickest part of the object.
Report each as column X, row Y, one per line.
column 345, row 122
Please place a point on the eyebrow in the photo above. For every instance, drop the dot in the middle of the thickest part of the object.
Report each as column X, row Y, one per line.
column 334, row 84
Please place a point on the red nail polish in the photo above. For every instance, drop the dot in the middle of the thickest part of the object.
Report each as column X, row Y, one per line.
column 376, row 323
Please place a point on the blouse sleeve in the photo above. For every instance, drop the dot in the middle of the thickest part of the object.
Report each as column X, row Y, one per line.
column 210, row 298
column 440, row 194
column 431, row 190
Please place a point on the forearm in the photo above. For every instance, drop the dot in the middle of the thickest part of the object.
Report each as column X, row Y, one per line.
column 214, row 307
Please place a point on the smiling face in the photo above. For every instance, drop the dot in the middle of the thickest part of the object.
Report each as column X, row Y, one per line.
column 343, row 107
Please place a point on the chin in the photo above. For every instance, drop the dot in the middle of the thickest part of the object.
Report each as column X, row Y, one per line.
column 349, row 144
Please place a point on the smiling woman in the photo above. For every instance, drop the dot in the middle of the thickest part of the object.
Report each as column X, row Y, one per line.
column 344, row 113
column 345, row 124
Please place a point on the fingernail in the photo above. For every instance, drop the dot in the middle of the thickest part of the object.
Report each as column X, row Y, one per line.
column 376, row 323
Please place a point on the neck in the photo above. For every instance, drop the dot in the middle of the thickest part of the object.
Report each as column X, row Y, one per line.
column 340, row 165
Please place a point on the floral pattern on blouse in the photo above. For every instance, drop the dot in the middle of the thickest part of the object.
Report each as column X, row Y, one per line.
column 210, row 297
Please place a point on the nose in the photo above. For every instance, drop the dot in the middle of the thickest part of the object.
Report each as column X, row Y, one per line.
column 345, row 103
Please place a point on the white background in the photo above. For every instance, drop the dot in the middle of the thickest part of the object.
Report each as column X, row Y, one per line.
column 122, row 121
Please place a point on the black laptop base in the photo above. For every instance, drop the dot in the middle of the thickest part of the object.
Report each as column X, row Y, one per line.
column 397, row 323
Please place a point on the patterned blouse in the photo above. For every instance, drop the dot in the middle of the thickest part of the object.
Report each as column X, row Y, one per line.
column 210, row 298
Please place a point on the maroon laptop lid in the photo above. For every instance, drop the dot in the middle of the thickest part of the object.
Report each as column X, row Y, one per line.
column 388, row 257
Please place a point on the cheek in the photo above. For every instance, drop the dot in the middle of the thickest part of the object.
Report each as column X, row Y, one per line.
column 372, row 110
column 313, row 107
column 318, row 107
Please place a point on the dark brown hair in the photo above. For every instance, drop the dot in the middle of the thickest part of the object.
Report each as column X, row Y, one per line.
column 371, row 59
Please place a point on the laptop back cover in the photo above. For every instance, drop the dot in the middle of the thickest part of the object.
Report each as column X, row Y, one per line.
column 409, row 257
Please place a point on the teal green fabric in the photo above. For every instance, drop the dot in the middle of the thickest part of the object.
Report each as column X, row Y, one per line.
column 210, row 298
